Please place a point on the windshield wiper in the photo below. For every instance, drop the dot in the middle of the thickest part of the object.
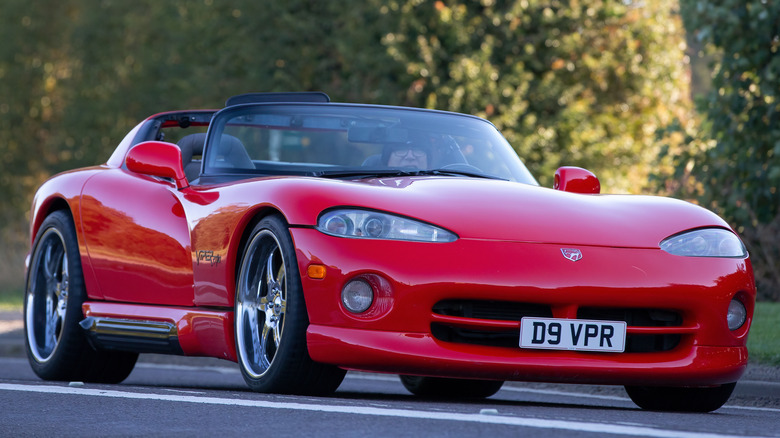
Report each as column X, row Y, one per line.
column 368, row 173
column 362, row 173
column 454, row 172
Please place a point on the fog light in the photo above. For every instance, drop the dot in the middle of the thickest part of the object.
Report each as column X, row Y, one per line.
column 357, row 296
column 737, row 314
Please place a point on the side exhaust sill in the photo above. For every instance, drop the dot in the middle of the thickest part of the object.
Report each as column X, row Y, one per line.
column 132, row 335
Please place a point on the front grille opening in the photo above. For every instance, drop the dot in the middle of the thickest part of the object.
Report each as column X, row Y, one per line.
column 511, row 339
column 512, row 311
column 504, row 338
column 632, row 317
column 651, row 343
column 495, row 310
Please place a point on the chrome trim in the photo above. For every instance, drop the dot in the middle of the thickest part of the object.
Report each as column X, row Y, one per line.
column 132, row 335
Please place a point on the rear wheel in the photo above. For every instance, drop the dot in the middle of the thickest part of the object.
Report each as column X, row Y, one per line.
column 271, row 318
column 56, row 345
column 673, row 399
column 439, row 387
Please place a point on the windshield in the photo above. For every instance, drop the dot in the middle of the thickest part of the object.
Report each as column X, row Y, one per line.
column 348, row 141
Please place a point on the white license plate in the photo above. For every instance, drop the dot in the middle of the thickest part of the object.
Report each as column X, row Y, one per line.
column 572, row 334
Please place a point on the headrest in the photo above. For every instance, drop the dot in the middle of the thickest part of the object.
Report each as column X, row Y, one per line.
column 191, row 145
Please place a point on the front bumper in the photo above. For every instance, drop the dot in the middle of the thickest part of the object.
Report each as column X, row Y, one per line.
column 675, row 308
column 421, row 354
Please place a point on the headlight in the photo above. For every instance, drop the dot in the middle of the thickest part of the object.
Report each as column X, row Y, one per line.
column 705, row 242
column 366, row 224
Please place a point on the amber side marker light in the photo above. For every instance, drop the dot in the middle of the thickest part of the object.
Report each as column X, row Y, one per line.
column 316, row 272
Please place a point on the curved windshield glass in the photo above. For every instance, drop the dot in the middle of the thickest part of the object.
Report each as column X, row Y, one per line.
column 352, row 141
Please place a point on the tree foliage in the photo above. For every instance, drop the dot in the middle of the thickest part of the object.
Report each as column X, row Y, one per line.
column 583, row 83
column 574, row 82
column 733, row 165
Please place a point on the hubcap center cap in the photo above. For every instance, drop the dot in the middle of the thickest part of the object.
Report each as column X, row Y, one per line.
column 276, row 305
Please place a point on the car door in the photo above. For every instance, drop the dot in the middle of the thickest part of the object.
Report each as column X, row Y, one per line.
column 137, row 238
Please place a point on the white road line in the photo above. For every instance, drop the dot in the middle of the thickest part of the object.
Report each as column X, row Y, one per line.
column 394, row 378
column 751, row 408
column 540, row 423
column 615, row 397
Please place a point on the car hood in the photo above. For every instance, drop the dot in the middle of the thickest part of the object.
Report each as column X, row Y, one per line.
column 486, row 209
column 500, row 210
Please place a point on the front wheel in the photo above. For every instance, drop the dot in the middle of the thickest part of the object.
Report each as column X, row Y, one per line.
column 672, row 399
column 439, row 387
column 271, row 318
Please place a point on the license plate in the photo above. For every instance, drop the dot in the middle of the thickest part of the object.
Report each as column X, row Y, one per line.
column 573, row 334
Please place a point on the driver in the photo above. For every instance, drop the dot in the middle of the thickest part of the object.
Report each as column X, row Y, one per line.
column 421, row 150
column 415, row 152
column 407, row 155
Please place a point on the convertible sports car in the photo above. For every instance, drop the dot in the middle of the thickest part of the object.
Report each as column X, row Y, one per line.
column 302, row 238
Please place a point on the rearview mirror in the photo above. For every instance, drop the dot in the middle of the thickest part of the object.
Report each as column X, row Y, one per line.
column 378, row 134
column 576, row 180
column 157, row 158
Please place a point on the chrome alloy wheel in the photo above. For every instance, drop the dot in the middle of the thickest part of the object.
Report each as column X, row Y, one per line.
column 47, row 295
column 261, row 304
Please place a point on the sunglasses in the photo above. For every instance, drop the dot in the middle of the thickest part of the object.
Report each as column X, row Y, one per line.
column 417, row 152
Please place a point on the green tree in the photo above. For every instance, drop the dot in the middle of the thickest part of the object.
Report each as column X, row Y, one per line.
column 572, row 82
column 733, row 165
column 585, row 83
column 30, row 68
column 77, row 75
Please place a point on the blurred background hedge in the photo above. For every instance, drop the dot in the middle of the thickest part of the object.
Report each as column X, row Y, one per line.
column 662, row 97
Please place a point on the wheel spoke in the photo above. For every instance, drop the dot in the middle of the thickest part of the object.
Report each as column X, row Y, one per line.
column 62, row 290
column 264, row 361
column 52, row 261
column 277, row 333
column 279, row 325
column 50, row 328
column 280, row 282
column 258, row 296
column 255, row 340
column 269, row 270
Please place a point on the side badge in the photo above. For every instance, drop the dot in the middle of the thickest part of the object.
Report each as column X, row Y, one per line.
column 209, row 257
column 571, row 254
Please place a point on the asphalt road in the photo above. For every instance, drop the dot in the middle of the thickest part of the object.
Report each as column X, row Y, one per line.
column 168, row 395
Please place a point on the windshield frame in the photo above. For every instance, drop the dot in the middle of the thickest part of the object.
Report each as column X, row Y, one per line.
column 347, row 117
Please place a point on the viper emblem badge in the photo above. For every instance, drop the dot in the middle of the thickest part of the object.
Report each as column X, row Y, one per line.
column 571, row 254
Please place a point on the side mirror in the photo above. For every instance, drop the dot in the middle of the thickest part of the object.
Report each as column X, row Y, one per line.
column 157, row 158
column 576, row 180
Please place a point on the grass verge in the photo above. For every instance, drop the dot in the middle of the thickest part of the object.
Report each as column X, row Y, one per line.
column 11, row 299
column 764, row 338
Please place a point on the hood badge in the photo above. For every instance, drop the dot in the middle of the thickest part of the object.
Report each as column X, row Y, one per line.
column 571, row 254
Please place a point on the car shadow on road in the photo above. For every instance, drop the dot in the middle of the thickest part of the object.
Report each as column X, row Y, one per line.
column 493, row 402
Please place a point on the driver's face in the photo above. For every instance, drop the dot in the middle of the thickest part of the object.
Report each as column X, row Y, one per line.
column 408, row 156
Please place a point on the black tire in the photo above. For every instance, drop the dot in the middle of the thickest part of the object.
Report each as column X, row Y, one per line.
column 439, row 387
column 671, row 399
column 56, row 345
column 271, row 318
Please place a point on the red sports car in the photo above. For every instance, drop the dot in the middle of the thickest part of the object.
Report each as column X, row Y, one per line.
column 302, row 238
